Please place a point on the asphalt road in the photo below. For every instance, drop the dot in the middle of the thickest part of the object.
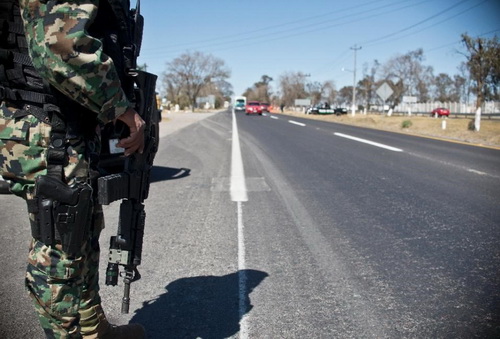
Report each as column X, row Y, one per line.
column 341, row 232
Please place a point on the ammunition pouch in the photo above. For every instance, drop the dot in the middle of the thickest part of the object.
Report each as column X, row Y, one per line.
column 63, row 213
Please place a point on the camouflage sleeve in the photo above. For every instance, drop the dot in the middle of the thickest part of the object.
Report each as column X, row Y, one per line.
column 71, row 60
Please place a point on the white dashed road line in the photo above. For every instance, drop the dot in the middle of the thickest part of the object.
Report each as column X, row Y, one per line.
column 390, row 148
column 296, row 123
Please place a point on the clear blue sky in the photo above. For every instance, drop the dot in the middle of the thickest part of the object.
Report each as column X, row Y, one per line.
column 315, row 37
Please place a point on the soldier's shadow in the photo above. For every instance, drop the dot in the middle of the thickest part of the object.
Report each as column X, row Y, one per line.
column 200, row 307
column 159, row 173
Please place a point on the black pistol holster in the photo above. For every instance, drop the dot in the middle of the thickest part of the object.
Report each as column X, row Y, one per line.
column 64, row 213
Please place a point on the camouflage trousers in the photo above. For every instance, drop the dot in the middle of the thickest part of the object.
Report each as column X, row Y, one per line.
column 61, row 286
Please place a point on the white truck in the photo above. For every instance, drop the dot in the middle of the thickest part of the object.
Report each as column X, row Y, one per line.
column 239, row 103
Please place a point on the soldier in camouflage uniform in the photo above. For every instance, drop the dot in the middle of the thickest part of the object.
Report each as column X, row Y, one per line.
column 64, row 287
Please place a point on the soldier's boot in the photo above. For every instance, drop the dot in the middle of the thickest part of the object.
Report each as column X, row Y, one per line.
column 94, row 325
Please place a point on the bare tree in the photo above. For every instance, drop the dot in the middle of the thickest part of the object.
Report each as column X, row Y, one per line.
column 315, row 89
column 321, row 91
column 465, row 89
column 329, row 93
column 292, row 86
column 344, row 96
column 260, row 91
column 191, row 72
column 409, row 71
column 367, row 86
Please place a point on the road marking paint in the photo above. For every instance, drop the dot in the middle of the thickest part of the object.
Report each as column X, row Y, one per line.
column 296, row 123
column 456, row 166
column 242, row 278
column 476, row 171
column 273, row 117
column 238, row 186
column 390, row 148
column 239, row 194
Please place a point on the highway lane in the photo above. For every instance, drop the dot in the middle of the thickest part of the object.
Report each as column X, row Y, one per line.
column 338, row 238
column 417, row 229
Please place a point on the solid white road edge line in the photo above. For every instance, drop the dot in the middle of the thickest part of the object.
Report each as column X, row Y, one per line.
column 390, row 148
column 242, row 278
column 238, row 187
column 239, row 194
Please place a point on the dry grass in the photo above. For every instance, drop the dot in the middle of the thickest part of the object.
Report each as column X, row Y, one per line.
column 456, row 129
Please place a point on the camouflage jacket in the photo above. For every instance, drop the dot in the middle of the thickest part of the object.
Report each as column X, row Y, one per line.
column 69, row 58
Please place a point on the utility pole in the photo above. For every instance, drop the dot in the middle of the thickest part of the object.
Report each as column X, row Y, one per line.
column 355, row 48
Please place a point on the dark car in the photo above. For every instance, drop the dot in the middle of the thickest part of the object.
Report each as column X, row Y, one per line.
column 253, row 107
column 340, row 110
column 440, row 111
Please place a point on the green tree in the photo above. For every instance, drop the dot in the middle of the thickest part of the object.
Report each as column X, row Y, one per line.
column 443, row 86
column 483, row 62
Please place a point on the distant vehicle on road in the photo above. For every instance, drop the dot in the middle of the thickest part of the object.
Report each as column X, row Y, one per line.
column 253, row 107
column 239, row 103
column 440, row 111
column 265, row 107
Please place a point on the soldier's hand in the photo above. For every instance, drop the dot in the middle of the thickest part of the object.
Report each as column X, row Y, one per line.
column 135, row 141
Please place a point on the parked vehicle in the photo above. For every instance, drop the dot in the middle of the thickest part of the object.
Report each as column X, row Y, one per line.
column 253, row 107
column 323, row 108
column 265, row 107
column 440, row 111
column 340, row 110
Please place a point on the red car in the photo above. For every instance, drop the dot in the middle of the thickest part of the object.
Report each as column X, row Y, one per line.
column 440, row 111
column 253, row 107
column 265, row 107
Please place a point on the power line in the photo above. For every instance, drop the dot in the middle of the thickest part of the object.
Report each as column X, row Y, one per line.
column 238, row 43
column 416, row 24
column 430, row 26
column 294, row 22
column 458, row 41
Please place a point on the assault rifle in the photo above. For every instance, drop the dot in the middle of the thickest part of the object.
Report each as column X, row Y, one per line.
column 131, row 185
column 129, row 176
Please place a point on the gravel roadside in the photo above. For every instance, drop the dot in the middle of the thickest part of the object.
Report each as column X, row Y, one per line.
column 175, row 121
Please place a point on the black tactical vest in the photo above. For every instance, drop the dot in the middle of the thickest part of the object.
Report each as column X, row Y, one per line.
column 20, row 83
column 22, row 87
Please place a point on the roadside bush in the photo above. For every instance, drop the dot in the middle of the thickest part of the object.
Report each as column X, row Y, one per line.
column 472, row 125
column 406, row 124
